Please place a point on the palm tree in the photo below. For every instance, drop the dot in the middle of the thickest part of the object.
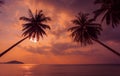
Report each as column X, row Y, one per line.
column 86, row 31
column 110, row 10
column 33, row 28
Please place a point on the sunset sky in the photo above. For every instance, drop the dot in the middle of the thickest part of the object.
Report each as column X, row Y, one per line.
column 57, row 47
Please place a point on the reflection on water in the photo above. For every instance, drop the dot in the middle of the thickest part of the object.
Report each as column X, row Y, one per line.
column 59, row 70
column 27, row 69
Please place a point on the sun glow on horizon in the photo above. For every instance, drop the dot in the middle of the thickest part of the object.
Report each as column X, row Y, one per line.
column 33, row 40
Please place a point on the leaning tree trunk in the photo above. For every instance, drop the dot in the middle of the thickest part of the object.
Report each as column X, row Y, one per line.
column 7, row 50
column 112, row 50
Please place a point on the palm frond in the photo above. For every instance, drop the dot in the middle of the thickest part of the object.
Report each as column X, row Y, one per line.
column 25, row 19
column 73, row 28
column 85, row 30
column 30, row 13
column 44, row 26
column 110, row 9
column 35, row 25
column 45, row 19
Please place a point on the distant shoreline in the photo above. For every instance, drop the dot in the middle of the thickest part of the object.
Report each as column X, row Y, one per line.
column 12, row 62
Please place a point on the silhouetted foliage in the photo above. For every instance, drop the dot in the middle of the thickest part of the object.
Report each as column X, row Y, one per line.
column 85, row 29
column 35, row 26
column 110, row 9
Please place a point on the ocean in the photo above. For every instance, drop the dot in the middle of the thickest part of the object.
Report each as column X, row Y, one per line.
column 59, row 70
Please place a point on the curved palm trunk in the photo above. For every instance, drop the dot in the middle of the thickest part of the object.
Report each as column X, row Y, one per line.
column 7, row 50
column 112, row 50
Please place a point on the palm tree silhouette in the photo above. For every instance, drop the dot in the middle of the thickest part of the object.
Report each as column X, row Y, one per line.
column 33, row 28
column 110, row 10
column 86, row 31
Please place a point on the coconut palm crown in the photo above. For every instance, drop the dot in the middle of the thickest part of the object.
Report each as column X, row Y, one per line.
column 109, row 10
column 85, row 30
column 35, row 25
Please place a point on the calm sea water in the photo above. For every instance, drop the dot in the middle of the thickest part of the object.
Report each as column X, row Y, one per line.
column 59, row 70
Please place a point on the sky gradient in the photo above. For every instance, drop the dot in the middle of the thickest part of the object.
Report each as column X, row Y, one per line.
column 57, row 47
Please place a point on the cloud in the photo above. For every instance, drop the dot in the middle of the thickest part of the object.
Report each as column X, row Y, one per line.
column 60, row 49
column 69, row 5
column 39, row 50
column 110, row 34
